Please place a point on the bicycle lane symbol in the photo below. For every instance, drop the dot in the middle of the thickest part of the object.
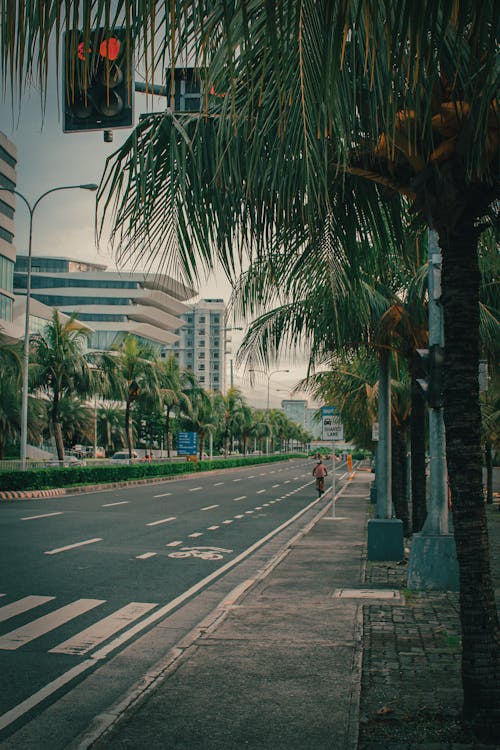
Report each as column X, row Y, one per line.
column 202, row 553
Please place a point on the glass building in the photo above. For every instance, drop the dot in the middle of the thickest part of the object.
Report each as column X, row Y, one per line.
column 112, row 303
column 8, row 161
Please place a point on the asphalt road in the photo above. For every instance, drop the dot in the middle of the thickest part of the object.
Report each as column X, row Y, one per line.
column 83, row 576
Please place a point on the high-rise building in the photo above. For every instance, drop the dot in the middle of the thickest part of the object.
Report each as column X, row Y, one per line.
column 296, row 410
column 112, row 303
column 202, row 343
column 8, row 161
column 313, row 425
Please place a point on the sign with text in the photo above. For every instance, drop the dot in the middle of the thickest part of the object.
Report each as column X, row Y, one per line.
column 333, row 429
column 187, row 443
column 375, row 432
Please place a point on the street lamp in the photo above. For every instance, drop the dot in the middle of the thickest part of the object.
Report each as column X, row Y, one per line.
column 268, row 376
column 24, row 393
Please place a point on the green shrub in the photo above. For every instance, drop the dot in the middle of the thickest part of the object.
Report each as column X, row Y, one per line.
column 43, row 479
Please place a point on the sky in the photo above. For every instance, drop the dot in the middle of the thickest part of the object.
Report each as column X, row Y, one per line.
column 64, row 222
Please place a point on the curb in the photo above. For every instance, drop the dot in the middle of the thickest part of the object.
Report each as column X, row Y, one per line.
column 31, row 494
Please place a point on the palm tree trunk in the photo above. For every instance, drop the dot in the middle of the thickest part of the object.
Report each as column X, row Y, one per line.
column 399, row 477
column 489, row 472
column 56, row 427
column 128, row 429
column 167, row 430
column 417, row 450
column 479, row 620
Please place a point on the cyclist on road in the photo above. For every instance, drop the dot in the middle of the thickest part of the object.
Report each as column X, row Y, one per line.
column 319, row 473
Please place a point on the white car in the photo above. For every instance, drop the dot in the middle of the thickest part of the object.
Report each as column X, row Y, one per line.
column 123, row 457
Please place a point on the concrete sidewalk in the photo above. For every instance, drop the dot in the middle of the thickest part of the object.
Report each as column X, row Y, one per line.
column 281, row 665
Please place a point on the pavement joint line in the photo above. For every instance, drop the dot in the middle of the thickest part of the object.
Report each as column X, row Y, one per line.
column 108, row 719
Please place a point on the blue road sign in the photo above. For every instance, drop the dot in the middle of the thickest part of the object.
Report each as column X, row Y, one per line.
column 187, row 443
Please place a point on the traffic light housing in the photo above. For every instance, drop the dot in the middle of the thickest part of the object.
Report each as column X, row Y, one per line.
column 98, row 80
column 432, row 360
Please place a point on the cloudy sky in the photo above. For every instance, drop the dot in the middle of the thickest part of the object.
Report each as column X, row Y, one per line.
column 64, row 222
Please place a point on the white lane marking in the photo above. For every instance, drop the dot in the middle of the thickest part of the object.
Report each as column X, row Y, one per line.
column 22, row 605
column 212, row 528
column 258, row 507
column 146, row 555
column 34, row 700
column 194, row 489
column 72, row 546
column 162, row 520
column 249, row 511
column 275, row 485
column 165, row 494
column 264, row 474
column 239, row 516
column 242, row 497
column 174, row 544
column 287, row 481
column 26, row 633
column 83, row 642
column 227, row 522
column 44, row 515
column 210, row 507
column 271, row 502
column 237, row 480
column 259, row 492
column 252, row 476
column 26, row 705
column 296, row 478
column 265, row 505
column 110, row 505
column 196, row 533
column 217, row 484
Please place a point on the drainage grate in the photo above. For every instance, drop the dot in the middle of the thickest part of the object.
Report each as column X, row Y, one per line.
column 367, row 594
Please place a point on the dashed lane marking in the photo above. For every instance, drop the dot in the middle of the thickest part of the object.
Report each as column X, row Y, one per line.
column 275, row 485
column 239, row 516
column 110, row 505
column 146, row 555
column 174, row 544
column 237, row 480
column 194, row 489
column 195, row 534
column 259, row 492
column 242, row 497
column 43, row 515
column 162, row 520
column 72, row 546
column 210, row 507
column 165, row 494
column 217, row 484
column 227, row 522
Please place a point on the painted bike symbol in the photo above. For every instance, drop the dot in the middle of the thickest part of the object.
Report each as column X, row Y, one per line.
column 203, row 553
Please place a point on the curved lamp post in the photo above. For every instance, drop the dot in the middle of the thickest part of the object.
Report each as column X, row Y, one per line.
column 24, row 393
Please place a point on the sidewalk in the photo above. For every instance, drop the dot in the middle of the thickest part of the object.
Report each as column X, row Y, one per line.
column 282, row 664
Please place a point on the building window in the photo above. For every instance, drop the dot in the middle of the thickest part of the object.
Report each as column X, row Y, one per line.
column 202, row 378
column 216, row 343
column 216, row 355
column 201, row 367
column 202, row 319
column 5, row 308
column 202, row 342
column 6, row 274
column 201, row 355
column 216, row 366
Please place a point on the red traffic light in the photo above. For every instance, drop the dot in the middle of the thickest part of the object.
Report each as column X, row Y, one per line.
column 110, row 48
column 82, row 52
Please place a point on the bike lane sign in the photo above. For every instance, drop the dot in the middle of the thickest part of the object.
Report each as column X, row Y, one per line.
column 202, row 553
column 333, row 429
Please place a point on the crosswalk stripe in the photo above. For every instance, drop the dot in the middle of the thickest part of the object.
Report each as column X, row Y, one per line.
column 22, row 605
column 26, row 633
column 173, row 544
column 83, row 642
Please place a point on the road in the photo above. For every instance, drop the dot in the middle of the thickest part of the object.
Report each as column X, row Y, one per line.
column 84, row 576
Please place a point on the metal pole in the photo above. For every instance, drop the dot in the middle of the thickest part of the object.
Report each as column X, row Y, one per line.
column 333, row 479
column 437, row 518
column 25, row 381
column 384, row 468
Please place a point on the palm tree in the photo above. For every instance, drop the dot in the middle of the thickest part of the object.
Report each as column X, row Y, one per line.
column 135, row 374
column 110, row 430
column 59, row 368
column 77, row 420
column 394, row 100
column 202, row 416
column 175, row 388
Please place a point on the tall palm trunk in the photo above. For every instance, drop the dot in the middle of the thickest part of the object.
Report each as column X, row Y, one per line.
column 417, row 449
column 399, row 478
column 167, row 430
column 480, row 629
column 128, row 428
column 56, row 427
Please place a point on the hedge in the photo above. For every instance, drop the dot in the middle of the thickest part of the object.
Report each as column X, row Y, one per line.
column 43, row 479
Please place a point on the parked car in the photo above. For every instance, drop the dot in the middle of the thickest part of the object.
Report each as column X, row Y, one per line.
column 123, row 457
column 68, row 461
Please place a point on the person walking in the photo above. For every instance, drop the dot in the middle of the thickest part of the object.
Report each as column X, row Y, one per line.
column 319, row 473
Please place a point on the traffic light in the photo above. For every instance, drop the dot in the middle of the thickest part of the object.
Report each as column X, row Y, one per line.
column 98, row 80
column 432, row 360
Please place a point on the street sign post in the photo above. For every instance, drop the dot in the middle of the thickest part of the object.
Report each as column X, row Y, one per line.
column 187, row 444
column 333, row 430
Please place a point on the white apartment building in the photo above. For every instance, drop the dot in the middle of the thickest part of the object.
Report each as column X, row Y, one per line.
column 202, row 343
